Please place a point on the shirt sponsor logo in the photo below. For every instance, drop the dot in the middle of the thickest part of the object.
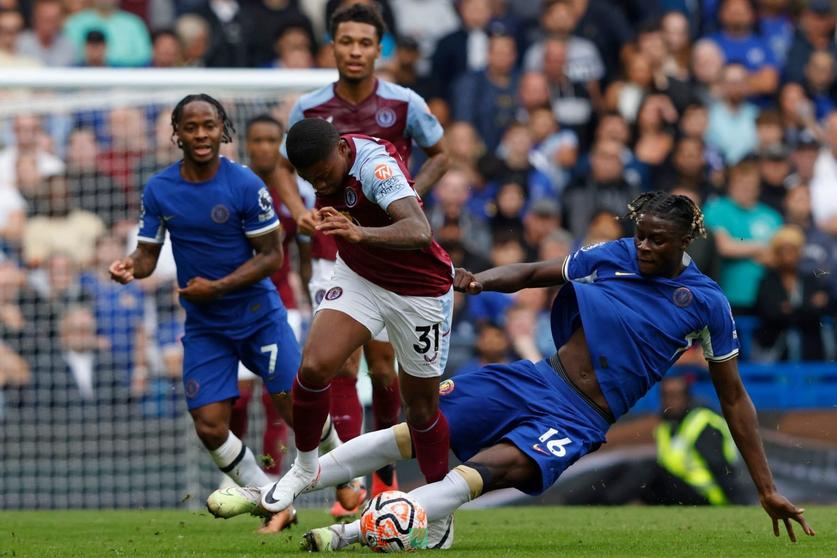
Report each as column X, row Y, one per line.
column 385, row 117
column 383, row 172
column 350, row 197
column 334, row 293
column 220, row 214
column 387, row 186
column 682, row 297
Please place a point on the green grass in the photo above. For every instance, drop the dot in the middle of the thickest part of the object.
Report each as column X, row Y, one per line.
column 519, row 532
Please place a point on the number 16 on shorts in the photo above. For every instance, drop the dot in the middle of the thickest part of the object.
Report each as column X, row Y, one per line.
column 555, row 446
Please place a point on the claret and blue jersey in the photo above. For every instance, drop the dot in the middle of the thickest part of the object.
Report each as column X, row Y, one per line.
column 209, row 223
column 637, row 326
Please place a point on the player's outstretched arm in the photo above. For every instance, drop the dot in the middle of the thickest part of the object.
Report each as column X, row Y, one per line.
column 511, row 278
column 289, row 195
column 138, row 265
column 740, row 415
column 409, row 230
column 434, row 167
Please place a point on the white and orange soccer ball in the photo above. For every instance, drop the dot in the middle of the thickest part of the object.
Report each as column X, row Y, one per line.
column 393, row 522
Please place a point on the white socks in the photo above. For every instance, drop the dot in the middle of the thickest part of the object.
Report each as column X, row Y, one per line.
column 359, row 456
column 441, row 499
column 236, row 460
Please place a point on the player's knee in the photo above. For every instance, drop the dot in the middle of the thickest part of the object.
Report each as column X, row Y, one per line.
column 211, row 433
column 316, row 371
column 382, row 375
column 421, row 410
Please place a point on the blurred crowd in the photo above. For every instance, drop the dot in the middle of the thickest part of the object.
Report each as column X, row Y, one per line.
column 557, row 113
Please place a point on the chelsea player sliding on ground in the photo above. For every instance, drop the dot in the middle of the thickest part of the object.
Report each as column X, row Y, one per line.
column 626, row 311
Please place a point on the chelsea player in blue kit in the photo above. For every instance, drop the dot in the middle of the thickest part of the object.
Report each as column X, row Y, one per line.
column 626, row 311
column 226, row 243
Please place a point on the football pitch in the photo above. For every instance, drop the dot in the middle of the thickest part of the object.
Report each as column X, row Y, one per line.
column 518, row 532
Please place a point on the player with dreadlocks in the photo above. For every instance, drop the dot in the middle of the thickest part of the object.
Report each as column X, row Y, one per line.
column 626, row 311
column 226, row 242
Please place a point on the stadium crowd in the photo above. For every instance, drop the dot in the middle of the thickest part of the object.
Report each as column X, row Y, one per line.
column 557, row 113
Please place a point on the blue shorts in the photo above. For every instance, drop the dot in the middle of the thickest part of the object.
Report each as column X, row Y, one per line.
column 210, row 360
column 527, row 404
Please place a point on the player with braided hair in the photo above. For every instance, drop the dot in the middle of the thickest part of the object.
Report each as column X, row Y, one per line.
column 226, row 242
column 625, row 312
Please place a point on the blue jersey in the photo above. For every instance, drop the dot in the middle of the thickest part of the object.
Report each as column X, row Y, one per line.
column 637, row 326
column 753, row 52
column 209, row 224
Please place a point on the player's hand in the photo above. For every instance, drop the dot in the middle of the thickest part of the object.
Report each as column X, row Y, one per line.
column 307, row 222
column 122, row 271
column 199, row 289
column 780, row 508
column 334, row 223
column 465, row 282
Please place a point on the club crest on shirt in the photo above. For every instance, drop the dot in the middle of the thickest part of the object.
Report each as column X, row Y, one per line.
column 350, row 197
column 682, row 297
column 383, row 172
column 385, row 117
column 192, row 388
column 446, row 387
column 220, row 213
column 334, row 293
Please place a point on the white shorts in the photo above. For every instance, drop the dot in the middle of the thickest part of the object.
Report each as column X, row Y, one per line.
column 321, row 273
column 419, row 326
column 295, row 321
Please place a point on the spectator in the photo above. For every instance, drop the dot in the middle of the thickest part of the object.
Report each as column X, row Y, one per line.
column 60, row 228
column 293, row 49
column 46, row 41
column 532, row 93
column 776, row 26
column 517, row 162
column 790, row 305
column 743, row 227
column 411, row 20
column 584, row 64
column 796, row 110
column 803, row 157
column 774, row 168
column 604, row 226
column 605, row 24
column 676, row 36
column 128, row 40
column 16, row 331
column 90, row 189
column 94, row 54
column 521, row 326
column 769, row 131
column 687, row 169
column 128, row 133
column 465, row 148
column 571, row 102
column 626, row 95
column 486, row 98
column 450, row 209
column 492, row 346
column 651, row 45
column 741, row 45
column 166, row 50
column 541, row 219
column 12, row 220
column 654, row 137
column 194, row 34
column 264, row 21
column 465, row 50
column 819, row 255
column 405, row 73
column 824, row 181
column 815, row 32
column 732, row 120
column 11, row 25
column 165, row 151
column 29, row 139
column 119, row 311
column 604, row 188
column 227, row 46
column 707, row 68
column 508, row 216
column 819, row 82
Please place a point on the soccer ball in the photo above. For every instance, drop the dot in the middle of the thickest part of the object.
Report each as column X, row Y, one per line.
column 393, row 522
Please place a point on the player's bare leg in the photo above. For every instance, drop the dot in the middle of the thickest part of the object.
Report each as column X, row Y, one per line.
column 386, row 403
column 428, row 426
column 334, row 336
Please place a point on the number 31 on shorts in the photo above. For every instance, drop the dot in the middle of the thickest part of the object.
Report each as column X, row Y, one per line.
column 558, row 448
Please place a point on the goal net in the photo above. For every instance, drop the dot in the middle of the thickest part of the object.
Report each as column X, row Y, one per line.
column 92, row 411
